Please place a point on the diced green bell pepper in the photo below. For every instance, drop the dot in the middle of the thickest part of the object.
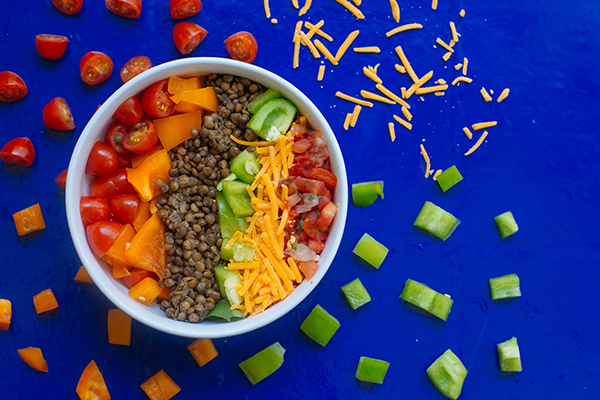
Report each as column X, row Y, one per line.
column 228, row 280
column 230, row 177
column 448, row 374
column 356, row 294
column 263, row 363
column 510, row 356
column 505, row 287
column 449, row 178
column 371, row 370
column 238, row 252
column 370, row 250
column 245, row 166
column 436, row 221
column 223, row 310
column 261, row 99
column 364, row 194
column 426, row 298
column 238, row 198
column 506, row 224
column 228, row 222
column 273, row 119
column 320, row 326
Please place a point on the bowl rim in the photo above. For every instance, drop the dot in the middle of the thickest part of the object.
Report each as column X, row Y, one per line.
column 76, row 174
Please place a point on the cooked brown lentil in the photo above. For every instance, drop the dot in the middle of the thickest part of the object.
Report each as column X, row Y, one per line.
column 188, row 209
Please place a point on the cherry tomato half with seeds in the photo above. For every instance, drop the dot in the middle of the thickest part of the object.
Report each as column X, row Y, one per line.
column 93, row 209
column 95, row 67
column 101, row 236
column 187, row 36
column 156, row 101
column 124, row 207
column 12, row 87
column 103, row 160
column 115, row 135
column 51, row 46
column 141, row 138
column 57, row 115
column 125, row 8
column 134, row 67
column 68, row 7
column 130, row 112
column 61, row 179
column 242, row 46
column 181, row 9
column 111, row 185
column 19, row 152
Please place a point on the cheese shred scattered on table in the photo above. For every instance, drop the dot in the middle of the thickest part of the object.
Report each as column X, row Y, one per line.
column 483, row 125
column 321, row 73
column 486, row 96
column 444, row 45
column 418, row 84
column 454, row 33
column 316, row 29
column 427, row 161
column 350, row 7
column 434, row 4
column 347, row 121
column 400, row 68
column 403, row 28
column 462, row 13
column 353, row 99
column 355, row 113
column 297, row 31
column 395, row 10
column 369, row 49
column 402, row 122
column 295, row 4
column 267, row 9
column 310, row 45
column 305, row 8
column 432, row 89
column 437, row 173
column 347, row 43
column 503, row 95
column 325, row 52
column 376, row 97
column 392, row 95
column 461, row 79
column 446, row 56
column 372, row 75
column 458, row 66
column 392, row 131
column 468, row 132
column 406, row 64
column 476, row 146
column 407, row 114
column 465, row 64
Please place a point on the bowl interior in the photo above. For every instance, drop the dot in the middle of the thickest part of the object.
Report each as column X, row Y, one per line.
column 78, row 184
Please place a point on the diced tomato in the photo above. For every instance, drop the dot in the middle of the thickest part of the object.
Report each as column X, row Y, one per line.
column 19, row 151
column 93, row 209
column 12, row 87
column 315, row 245
column 311, row 216
column 323, row 201
column 125, row 8
column 323, row 175
column 95, row 67
column 327, row 214
column 68, row 7
column 61, row 179
column 57, row 115
column 298, row 130
column 130, row 112
column 141, row 138
column 124, row 207
column 310, row 186
column 308, row 268
column 156, row 101
column 136, row 276
column 51, row 46
column 125, row 160
column 103, row 160
column 302, row 145
column 134, row 67
column 310, row 229
column 181, row 9
column 101, row 235
column 242, row 46
column 187, row 36
column 111, row 185
column 115, row 135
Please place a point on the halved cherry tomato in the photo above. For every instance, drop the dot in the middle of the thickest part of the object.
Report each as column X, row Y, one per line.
column 101, row 235
column 68, row 7
column 61, row 179
column 141, row 138
column 136, row 276
column 134, row 67
column 130, row 112
column 125, row 160
column 95, row 67
column 18, row 151
column 103, row 160
column 111, row 185
column 242, row 46
column 93, row 209
column 125, row 8
column 181, row 9
column 321, row 174
column 51, row 46
column 124, row 207
column 187, row 36
column 12, row 87
column 115, row 135
column 57, row 115
column 156, row 101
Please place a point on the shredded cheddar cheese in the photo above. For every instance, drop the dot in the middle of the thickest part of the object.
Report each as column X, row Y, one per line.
column 305, row 8
column 346, row 44
column 483, row 125
column 297, row 32
column 485, row 95
column 446, row 56
column 310, row 45
column 353, row 99
column 400, row 68
column 372, row 75
column 402, row 122
column 462, row 13
column 325, row 52
column 392, row 95
column 503, row 95
column 406, row 64
column 468, row 132
column 395, row 12
column 403, row 28
column 427, row 161
column 316, row 29
column 369, row 49
column 418, row 84
column 454, row 33
column 431, row 89
column 437, row 173
column 392, row 131
column 355, row 113
column 434, row 4
column 440, row 81
column 296, row 61
column 439, row 93
column 267, row 9
column 465, row 63
column 444, row 45
column 347, row 121
column 476, row 146
column 274, row 20
column 376, row 97
column 295, row 4
column 461, row 79
column 321, row 73
column 355, row 11
column 407, row 114
column 357, row 2
column 458, row 66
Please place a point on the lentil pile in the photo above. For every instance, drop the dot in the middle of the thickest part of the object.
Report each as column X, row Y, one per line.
column 188, row 209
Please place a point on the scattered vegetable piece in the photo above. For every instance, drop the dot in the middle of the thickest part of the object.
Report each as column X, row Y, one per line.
column 146, row 291
column 177, row 129
column 34, row 358
column 91, row 385
column 83, row 275
column 242, row 46
column 95, row 67
column 29, row 220
column 370, row 250
column 44, row 301
column 510, row 356
column 119, row 327
column 505, row 287
column 371, row 370
column 160, row 386
column 181, row 9
column 19, row 151
column 134, row 67
column 68, row 7
column 356, row 294
column 449, row 178
column 436, row 221
column 426, row 298
column 57, row 115
column 125, row 8
column 506, row 224
column 147, row 250
column 61, row 179
column 5, row 314
column 187, row 36
column 51, row 46
column 12, row 87
column 448, row 374
column 364, row 194
column 320, row 326
column 263, row 363
column 203, row 350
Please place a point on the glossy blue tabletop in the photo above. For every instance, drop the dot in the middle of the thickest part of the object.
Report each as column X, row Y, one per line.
column 540, row 162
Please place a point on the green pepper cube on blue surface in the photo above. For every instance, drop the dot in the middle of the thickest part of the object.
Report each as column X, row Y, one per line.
column 320, row 326
column 509, row 356
column 505, row 287
column 448, row 374
column 370, row 250
column 436, row 221
column 506, row 224
column 427, row 299
column 356, row 294
column 371, row 370
column 449, row 178
column 263, row 363
column 364, row 194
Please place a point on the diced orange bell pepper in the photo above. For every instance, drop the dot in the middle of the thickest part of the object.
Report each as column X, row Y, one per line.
column 178, row 85
column 160, row 386
column 143, row 214
column 34, row 358
column 119, row 327
column 91, row 385
column 177, row 129
column 29, row 220
column 143, row 178
column 45, row 301
column 120, row 270
column 205, row 98
column 185, row 107
column 138, row 159
column 203, row 350
column 164, row 293
column 117, row 250
column 83, row 276
column 5, row 314
column 147, row 248
column 146, row 291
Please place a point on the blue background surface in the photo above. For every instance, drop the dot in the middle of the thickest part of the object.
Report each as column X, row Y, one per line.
column 540, row 162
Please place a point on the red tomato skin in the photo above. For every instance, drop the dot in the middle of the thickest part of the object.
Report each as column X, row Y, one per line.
column 68, row 7
column 12, row 87
column 136, row 276
column 51, row 46
column 111, row 185
column 101, row 235
column 103, row 160
column 93, row 209
column 124, row 207
column 308, row 268
column 141, row 138
column 130, row 112
column 323, row 175
column 187, row 36
column 181, row 9
column 95, row 67
column 19, row 152
column 115, row 135
column 134, row 67
column 156, row 101
column 57, row 115
column 242, row 46
column 125, row 8
column 125, row 160
column 61, row 179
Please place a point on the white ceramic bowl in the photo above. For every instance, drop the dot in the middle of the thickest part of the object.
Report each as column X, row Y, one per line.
column 78, row 184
